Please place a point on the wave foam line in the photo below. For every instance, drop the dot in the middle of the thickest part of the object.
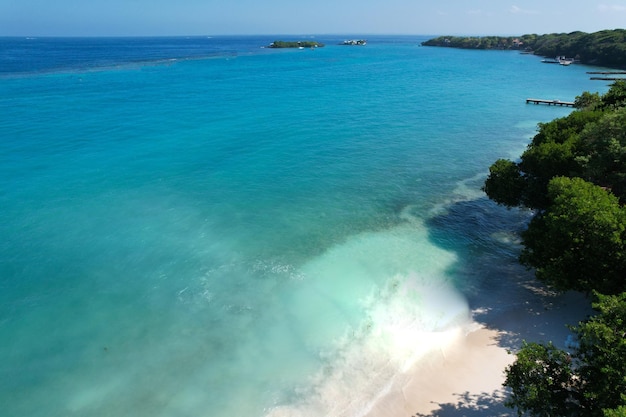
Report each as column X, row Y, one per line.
column 403, row 318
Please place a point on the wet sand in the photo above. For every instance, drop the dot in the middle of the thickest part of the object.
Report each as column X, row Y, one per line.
column 465, row 377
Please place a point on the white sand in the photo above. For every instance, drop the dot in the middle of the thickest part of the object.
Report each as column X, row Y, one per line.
column 465, row 378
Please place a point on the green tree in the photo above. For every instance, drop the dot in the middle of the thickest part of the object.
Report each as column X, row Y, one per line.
column 591, row 381
column 541, row 382
column 577, row 243
column 554, row 151
column 602, row 355
column 616, row 96
column 542, row 162
column 605, row 149
column 505, row 184
column 588, row 101
column 618, row 412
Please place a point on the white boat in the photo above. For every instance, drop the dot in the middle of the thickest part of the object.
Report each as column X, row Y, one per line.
column 561, row 60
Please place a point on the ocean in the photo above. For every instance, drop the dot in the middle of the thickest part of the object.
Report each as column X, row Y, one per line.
column 206, row 227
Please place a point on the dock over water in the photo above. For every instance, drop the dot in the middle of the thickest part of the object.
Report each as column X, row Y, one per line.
column 550, row 102
column 606, row 72
column 608, row 75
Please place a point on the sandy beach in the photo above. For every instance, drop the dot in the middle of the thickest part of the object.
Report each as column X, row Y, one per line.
column 464, row 378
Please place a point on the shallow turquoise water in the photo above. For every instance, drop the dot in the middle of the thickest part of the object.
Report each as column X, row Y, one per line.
column 248, row 231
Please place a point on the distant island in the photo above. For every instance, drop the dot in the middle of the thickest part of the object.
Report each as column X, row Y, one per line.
column 353, row 42
column 295, row 44
column 604, row 48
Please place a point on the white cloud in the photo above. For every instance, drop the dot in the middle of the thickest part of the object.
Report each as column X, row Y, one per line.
column 612, row 8
column 518, row 10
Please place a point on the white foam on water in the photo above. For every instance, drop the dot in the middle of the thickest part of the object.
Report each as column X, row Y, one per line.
column 324, row 338
column 467, row 189
column 383, row 300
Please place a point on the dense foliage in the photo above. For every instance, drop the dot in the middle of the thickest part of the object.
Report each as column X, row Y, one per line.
column 573, row 174
column 589, row 381
column 477, row 42
column 605, row 48
column 577, row 238
column 579, row 242
column 541, row 381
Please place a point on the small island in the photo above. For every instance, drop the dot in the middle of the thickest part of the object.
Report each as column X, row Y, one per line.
column 355, row 42
column 295, row 44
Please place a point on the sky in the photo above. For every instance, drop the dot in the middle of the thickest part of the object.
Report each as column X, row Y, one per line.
column 246, row 17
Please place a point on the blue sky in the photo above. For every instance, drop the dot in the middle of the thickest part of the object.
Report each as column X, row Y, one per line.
column 215, row 17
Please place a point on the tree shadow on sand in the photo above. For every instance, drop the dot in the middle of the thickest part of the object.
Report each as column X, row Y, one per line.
column 473, row 405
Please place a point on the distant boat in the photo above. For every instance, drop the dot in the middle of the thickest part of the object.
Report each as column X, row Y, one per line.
column 561, row 60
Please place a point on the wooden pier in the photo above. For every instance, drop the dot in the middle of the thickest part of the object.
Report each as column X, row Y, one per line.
column 550, row 102
column 608, row 75
column 606, row 72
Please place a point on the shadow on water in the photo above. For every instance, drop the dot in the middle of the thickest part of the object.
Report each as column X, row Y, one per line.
column 486, row 239
column 503, row 295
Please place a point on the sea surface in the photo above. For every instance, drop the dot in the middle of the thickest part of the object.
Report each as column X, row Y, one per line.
column 206, row 227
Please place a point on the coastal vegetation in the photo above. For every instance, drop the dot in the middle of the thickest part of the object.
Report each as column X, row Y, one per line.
column 604, row 48
column 295, row 44
column 548, row 382
column 573, row 175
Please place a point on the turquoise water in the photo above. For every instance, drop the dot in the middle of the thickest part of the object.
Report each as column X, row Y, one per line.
column 204, row 227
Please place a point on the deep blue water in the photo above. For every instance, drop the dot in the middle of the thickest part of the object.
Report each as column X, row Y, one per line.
column 201, row 226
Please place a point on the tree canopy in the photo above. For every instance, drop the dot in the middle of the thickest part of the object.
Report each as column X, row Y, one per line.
column 573, row 174
column 605, row 48
column 296, row 44
column 589, row 143
column 578, row 242
column 546, row 381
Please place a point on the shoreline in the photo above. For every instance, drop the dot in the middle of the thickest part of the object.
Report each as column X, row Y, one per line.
column 465, row 377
